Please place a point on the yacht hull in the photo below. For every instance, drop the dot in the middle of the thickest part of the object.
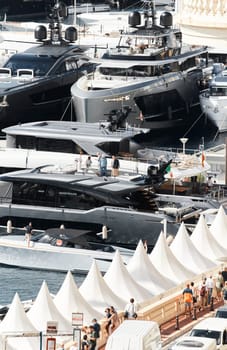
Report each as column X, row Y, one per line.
column 126, row 226
column 215, row 108
column 14, row 251
column 156, row 103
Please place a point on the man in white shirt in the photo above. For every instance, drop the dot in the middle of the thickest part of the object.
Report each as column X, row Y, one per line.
column 130, row 310
column 210, row 286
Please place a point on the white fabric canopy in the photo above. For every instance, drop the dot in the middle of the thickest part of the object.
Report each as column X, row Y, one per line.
column 184, row 250
column 218, row 227
column 122, row 283
column 96, row 291
column 16, row 322
column 69, row 299
column 167, row 264
column 205, row 242
column 143, row 271
column 44, row 310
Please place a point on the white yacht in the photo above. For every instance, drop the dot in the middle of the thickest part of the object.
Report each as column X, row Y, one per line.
column 66, row 145
column 57, row 250
column 214, row 101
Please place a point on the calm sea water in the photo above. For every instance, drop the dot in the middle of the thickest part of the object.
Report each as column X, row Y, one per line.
column 28, row 282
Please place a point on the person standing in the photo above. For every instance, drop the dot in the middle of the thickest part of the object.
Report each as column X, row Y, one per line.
column 103, row 165
column 85, row 344
column 188, row 299
column 114, row 320
column 219, row 284
column 97, row 327
column 92, row 338
column 28, row 233
column 224, row 293
column 88, row 163
column 115, row 166
column 130, row 310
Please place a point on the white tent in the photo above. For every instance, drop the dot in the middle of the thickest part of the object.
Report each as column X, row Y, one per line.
column 218, row 227
column 167, row 264
column 97, row 293
column 184, row 250
column 44, row 310
column 69, row 299
column 143, row 271
column 122, row 283
column 15, row 323
column 205, row 242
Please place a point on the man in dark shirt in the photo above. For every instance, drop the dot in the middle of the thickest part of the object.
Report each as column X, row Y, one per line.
column 97, row 327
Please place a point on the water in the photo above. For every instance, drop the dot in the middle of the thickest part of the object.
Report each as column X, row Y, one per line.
column 28, row 282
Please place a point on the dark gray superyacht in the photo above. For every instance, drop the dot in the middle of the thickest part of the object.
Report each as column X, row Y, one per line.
column 125, row 211
column 151, row 71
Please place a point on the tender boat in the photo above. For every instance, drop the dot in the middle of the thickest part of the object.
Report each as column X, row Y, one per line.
column 57, row 250
column 151, row 71
column 42, row 75
column 213, row 101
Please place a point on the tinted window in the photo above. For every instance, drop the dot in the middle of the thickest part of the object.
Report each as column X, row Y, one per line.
column 207, row 334
column 39, row 64
column 221, row 313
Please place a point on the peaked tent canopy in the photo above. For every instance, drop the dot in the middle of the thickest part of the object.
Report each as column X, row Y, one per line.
column 16, row 321
column 69, row 299
column 184, row 250
column 122, row 283
column 143, row 271
column 218, row 227
column 44, row 310
column 205, row 242
column 167, row 264
column 97, row 293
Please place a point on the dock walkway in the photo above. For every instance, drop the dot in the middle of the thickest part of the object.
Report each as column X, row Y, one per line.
column 182, row 324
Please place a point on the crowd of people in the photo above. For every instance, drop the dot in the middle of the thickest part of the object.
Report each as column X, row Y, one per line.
column 91, row 333
column 204, row 293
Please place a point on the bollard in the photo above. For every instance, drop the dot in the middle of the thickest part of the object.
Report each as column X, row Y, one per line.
column 194, row 317
column 212, row 304
column 177, row 323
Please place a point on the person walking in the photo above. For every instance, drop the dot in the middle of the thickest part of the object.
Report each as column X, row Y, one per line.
column 115, row 165
column 188, row 299
column 210, row 286
column 203, row 295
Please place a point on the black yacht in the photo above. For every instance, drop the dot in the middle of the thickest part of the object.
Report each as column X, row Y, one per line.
column 35, row 84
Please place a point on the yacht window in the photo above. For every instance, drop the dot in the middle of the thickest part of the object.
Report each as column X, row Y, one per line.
column 189, row 63
column 70, row 64
column 44, row 144
column 40, row 64
column 218, row 91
